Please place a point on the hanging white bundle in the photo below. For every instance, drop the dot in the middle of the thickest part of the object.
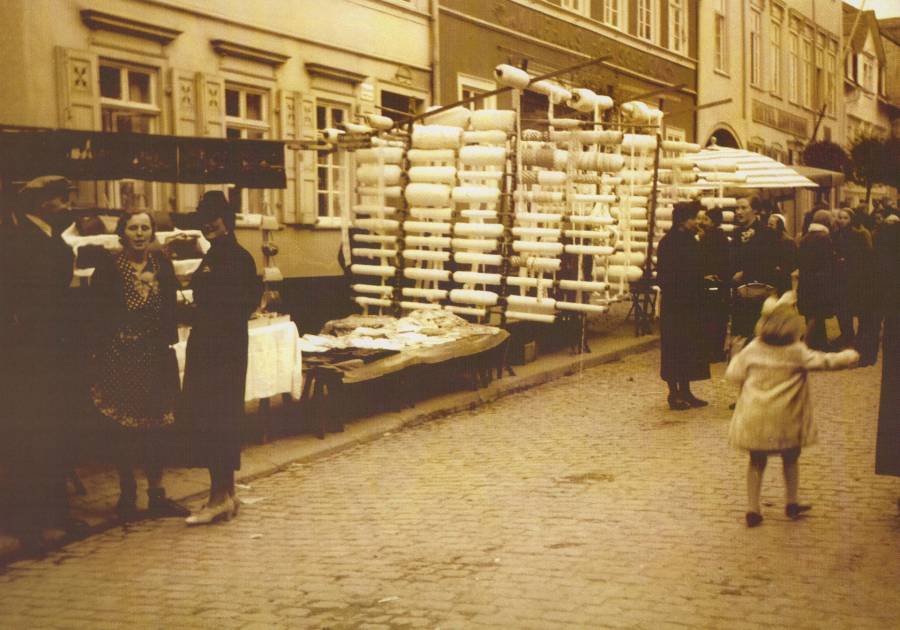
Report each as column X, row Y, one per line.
column 490, row 119
column 389, row 174
column 639, row 111
column 527, row 282
column 478, row 214
column 377, row 225
column 419, row 306
column 357, row 128
column 635, row 177
column 478, row 229
column 532, row 317
column 482, row 244
column 476, row 277
column 591, row 219
column 599, row 136
column 478, row 155
column 510, row 76
column 427, row 227
column 585, row 100
column 376, row 289
column 428, row 294
column 582, row 285
column 536, row 231
column 367, row 301
column 454, row 117
column 540, row 196
column 539, row 263
column 476, row 194
column 638, row 142
column 370, row 209
column 428, row 241
column 369, row 252
column 725, row 178
column 387, row 239
column 470, row 296
column 435, row 214
column 388, row 192
column 718, row 202
column 620, row 272
column 538, row 247
column 679, row 145
column 465, row 310
column 581, row 307
column 589, row 250
column 432, row 174
column 384, row 271
column 436, row 137
column 477, row 258
column 597, row 161
column 721, row 165
column 426, row 254
column 421, row 194
column 544, row 178
column 490, row 136
column 592, row 198
column 430, row 275
column 331, row 135
column 537, row 217
column 482, row 176
column 528, row 301
column 568, row 124
column 428, row 156
column 622, row 258
column 556, row 93
column 676, row 162
column 377, row 121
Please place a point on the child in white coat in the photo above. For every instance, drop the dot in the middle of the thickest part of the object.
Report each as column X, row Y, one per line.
column 773, row 413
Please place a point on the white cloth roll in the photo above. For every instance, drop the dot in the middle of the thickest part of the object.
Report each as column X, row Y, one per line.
column 435, row 214
column 428, row 241
column 718, row 202
column 623, row 258
column 629, row 273
column 478, row 155
column 371, row 252
column 388, row 192
column 539, row 263
column 454, row 117
column 635, row 177
column 427, row 227
column 591, row 219
column 368, row 301
column 675, row 162
column 594, row 198
column 478, row 229
column 532, row 317
column 432, row 174
column 581, row 307
column 551, row 196
column 528, row 282
column 585, row 100
column 420, row 306
column 428, row 294
column 477, row 258
column 582, row 285
column 510, row 76
column 678, row 145
column 377, row 225
column 490, row 136
column 376, row 289
column 589, row 234
column 466, row 310
column 369, row 209
column 482, row 244
column 538, row 217
column 476, row 194
column 556, row 93
column 529, row 301
column 357, row 128
column 428, row 156
column 431, row 275
column 426, row 254
column 470, row 296
column 384, row 271
column 476, row 277
column 377, row 121
column 436, row 137
column 640, row 142
column 388, row 155
column 722, row 166
column 598, row 136
column 489, row 119
column 374, row 238
column 589, row 250
column 478, row 214
column 420, row 194
column 389, row 174
column 485, row 176
column 536, row 231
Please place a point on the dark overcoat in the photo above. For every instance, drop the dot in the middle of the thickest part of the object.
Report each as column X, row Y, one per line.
column 816, row 285
column 887, row 447
column 680, row 276
column 226, row 291
column 855, row 271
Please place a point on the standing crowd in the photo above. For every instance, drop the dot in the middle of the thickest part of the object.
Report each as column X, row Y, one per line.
column 109, row 353
column 761, row 299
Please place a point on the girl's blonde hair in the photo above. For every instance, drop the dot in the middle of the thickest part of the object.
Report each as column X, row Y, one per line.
column 779, row 323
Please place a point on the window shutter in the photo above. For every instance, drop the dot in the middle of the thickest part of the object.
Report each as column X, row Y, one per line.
column 184, row 88
column 308, row 203
column 289, row 121
column 78, row 89
column 212, row 105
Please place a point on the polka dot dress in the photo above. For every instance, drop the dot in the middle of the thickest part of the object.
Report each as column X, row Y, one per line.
column 131, row 387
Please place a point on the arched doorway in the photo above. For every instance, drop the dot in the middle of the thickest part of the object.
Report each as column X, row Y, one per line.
column 723, row 138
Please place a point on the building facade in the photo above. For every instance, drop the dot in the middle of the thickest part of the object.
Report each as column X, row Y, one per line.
column 221, row 68
column 651, row 48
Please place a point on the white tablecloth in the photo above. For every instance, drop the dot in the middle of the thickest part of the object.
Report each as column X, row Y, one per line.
column 274, row 360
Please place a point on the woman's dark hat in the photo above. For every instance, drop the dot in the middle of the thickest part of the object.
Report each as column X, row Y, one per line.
column 214, row 205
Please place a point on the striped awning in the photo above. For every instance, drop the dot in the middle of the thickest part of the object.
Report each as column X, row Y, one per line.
column 738, row 168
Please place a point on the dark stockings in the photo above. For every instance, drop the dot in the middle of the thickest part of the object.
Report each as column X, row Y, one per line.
column 221, row 484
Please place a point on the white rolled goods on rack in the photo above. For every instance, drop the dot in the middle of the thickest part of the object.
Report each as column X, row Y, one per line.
column 598, row 136
column 622, row 258
column 432, row 174
column 389, row 192
column 628, row 273
column 539, row 263
column 465, row 310
column 532, row 317
column 426, row 254
column 641, row 112
column 375, row 238
column 421, row 194
column 591, row 219
column 638, row 142
column 589, row 234
column 478, row 229
column 331, row 135
column 676, row 162
column 429, row 275
column 471, row 296
column 358, row 129
column 435, row 214
column 368, row 301
column 526, row 282
column 680, row 146
column 488, row 136
column 589, row 250
column 676, row 177
column 493, row 119
column 428, row 241
column 429, row 156
column 427, row 227
column 597, row 161
column 635, row 177
column 544, row 178
column 387, row 155
column 636, row 212
column 538, row 247
column 477, row 258
column 550, row 196
column 722, row 166
column 436, row 137
column 586, row 198
column 555, row 92
column 377, row 225
column 389, row 174
column 580, row 307
column 718, row 202
column 537, row 231
column 368, row 252
column 383, row 271
column 478, row 214
column 427, row 294
column 468, row 176
column 584, row 100
column 379, row 122
column 376, row 289
column 420, row 306
column 454, row 117
column 528, row 301
column 510, row 76
column 582, row 285
column 476, row 277
column 368, row 209
column 479, row 155
column 476, row 194
column 538, row 217
column 474, row 243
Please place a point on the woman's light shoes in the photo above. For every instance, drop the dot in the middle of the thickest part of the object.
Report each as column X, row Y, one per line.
column 211, row 513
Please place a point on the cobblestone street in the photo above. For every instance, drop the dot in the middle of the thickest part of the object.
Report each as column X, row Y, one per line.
column 582, row 503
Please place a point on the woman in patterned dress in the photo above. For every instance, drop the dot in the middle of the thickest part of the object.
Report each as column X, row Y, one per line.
column 136, row 378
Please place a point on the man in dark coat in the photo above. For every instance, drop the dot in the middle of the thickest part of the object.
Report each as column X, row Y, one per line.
column 714, row 256
column 887, row 449
column 816, row 284
column 226, row 292
column 754, row 260
column 38, row 372
column 680, row 272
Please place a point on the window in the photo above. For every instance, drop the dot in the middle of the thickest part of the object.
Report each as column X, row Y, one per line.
column 612, row 13
column 468, row 86
column 331, row 188
column 646, row 17
column 247, row 118
column 830, row 72
column 775, row 50
column 128, row 103
column 394, row 103
column 755, row 47
column 809, row 71
column 794, row 67
column 819, row 83
column 674, row 133
column 578, row 6
column 721, row 36
column 868, row 72
column 678, row 26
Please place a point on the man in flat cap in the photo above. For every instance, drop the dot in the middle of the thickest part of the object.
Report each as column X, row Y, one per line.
column 35, row 274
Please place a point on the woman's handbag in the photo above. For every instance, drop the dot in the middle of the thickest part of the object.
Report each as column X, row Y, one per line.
column 755, row 291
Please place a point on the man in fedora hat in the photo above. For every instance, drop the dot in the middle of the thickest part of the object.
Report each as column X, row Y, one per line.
column 36, row 320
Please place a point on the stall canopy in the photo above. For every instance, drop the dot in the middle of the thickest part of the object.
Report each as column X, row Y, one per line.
column 753, row 169
column 94, row 155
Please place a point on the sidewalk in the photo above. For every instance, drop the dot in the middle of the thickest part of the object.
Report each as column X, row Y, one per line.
column 609, row 338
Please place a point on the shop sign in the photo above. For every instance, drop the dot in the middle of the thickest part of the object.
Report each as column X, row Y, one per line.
column 366, row 92
column 779, row 119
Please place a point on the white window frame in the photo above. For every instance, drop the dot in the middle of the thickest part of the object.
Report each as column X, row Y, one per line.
column 334, row 162
column 115, row 190
column 794, row 68
column 650, row 9
column 252, row 200
column 867, row 72
column 581, row 7
column 678, row 135
column 808, row 48
column 469, row 83
column 776, row 44
column 720, row 56
column 678, row 26
column 613, row 13
column 755, row 28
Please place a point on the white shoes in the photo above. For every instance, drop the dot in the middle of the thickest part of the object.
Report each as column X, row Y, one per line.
column 212, row 513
